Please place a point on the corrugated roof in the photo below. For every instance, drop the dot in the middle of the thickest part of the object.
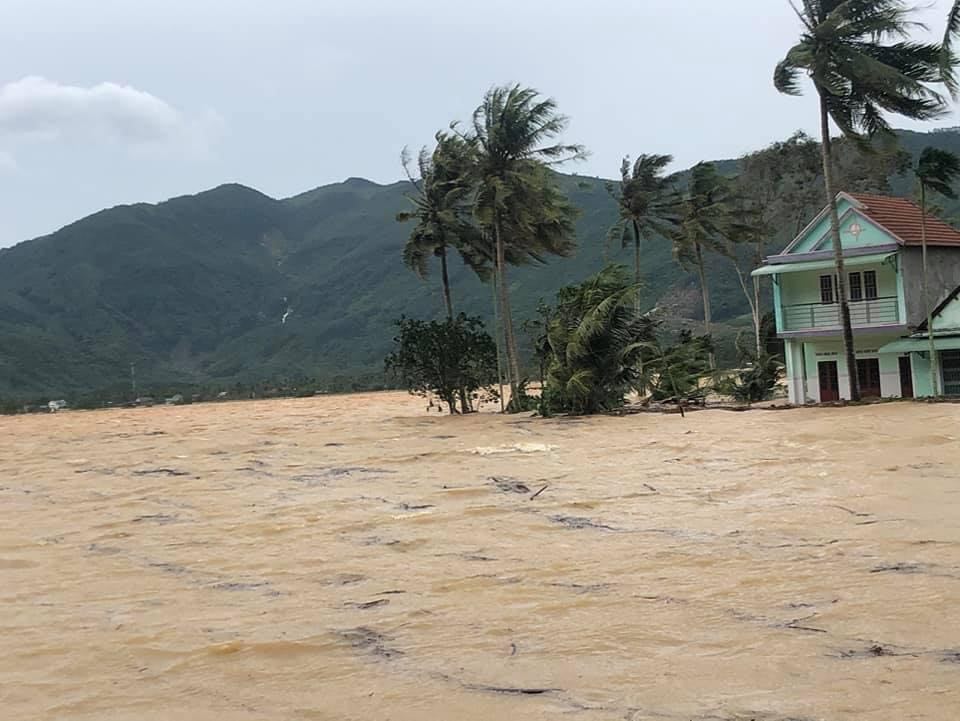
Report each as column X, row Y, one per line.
column 902, row 218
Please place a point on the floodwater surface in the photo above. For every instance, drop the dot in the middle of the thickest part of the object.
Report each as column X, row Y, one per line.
column 355, row 558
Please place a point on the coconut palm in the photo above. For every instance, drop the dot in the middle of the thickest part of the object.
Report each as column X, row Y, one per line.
column 704, row 222
column 948, row 62
column 862, row 64
column 646, row 202
column 515, row 129
column 594, row 342
column 441, row 210
column 936, row 171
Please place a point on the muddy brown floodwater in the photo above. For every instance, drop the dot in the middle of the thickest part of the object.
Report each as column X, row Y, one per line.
column 354, row 558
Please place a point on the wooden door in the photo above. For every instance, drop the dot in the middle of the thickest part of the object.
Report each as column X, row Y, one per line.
column 829, row 381
column 906, row 377
column 868, row 373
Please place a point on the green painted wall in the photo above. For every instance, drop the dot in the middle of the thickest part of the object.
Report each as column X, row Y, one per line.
column 814, row 351
column 949, row 317
column 818, row 237
column 921, row 376
column 870, row 234
column 818, row 231
column 804, row 287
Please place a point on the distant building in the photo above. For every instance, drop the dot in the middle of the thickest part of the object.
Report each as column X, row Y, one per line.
column 881, row 240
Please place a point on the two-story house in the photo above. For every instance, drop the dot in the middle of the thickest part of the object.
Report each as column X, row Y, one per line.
column 881, row 238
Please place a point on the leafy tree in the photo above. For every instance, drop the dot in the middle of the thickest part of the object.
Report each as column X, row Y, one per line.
column 646, row 202
column 675, row 371
column 443, row 358
column 441, row 210
column 761, row 367
column 862, row 64
column 595, row 338
column 936, row 171
column 704, row 223
column 517, row 199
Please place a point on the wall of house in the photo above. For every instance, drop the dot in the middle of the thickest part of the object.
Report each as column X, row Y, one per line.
column 796, row 386
column 949, row 317
column 921, row 375
column 818, row 237
column 803, row 357
column 804, row 287
column 944, row 270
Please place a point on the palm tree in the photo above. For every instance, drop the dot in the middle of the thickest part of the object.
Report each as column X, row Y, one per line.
column 936, row 170
column 860, row 60
column 594, row 342
column 647, row 204
column 441, row 211
column 514, row 129
column 704, row 223
column 948, row 62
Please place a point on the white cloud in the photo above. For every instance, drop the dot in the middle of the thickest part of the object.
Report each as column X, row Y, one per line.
column 37, row 108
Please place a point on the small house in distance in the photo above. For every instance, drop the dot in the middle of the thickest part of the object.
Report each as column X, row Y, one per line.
column 881, row 238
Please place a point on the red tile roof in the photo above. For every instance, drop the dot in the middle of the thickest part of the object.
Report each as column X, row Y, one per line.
column 902, row 218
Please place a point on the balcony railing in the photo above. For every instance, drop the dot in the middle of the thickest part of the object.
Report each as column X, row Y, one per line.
column 810, row 316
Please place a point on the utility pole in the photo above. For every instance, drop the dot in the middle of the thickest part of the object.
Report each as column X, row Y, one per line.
column 133, row 379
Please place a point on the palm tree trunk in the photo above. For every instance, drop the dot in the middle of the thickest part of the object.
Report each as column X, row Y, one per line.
column 497, row 335
column 509, row 339
column 926, row 289
column 827, row 158
column 445, row 279
column 757, row 318
column 705, row 293
column 752, row 300
column 636, row 254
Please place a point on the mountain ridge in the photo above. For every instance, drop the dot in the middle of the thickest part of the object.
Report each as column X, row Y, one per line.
column 231, row 286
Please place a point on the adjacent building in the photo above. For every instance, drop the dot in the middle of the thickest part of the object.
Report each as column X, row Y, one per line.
column 881, row 238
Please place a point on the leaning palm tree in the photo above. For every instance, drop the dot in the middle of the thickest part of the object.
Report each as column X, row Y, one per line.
column 646, row 202
column 862, row 64
column 441, row 211
column 948, row 62
column 514, row 130
column 936, row 171
column 594, row 342
column 706, row 214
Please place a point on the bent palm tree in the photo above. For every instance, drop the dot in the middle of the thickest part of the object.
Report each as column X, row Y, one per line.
column 948, row 62
column 646, row 201
column 936, row 171
column 441, row 211
column 514, row 129
column 594, row 341
column 704, row 221
column 860, row 60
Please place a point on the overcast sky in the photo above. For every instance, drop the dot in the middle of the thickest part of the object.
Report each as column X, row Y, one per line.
column 104, row 102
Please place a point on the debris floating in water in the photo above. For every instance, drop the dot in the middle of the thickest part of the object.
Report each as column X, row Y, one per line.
column 514, row 448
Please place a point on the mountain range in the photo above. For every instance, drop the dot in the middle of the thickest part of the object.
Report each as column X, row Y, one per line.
column 230, row 286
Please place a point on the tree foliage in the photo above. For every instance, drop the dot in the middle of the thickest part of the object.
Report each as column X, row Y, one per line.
column 675, row 371
column 451, row 359
column 441, row 211
column 595, row 340
column 647, row 204
column 518, row 203
column 761, row 368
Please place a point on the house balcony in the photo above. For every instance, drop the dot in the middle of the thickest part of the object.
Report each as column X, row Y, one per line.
column 884, row 311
